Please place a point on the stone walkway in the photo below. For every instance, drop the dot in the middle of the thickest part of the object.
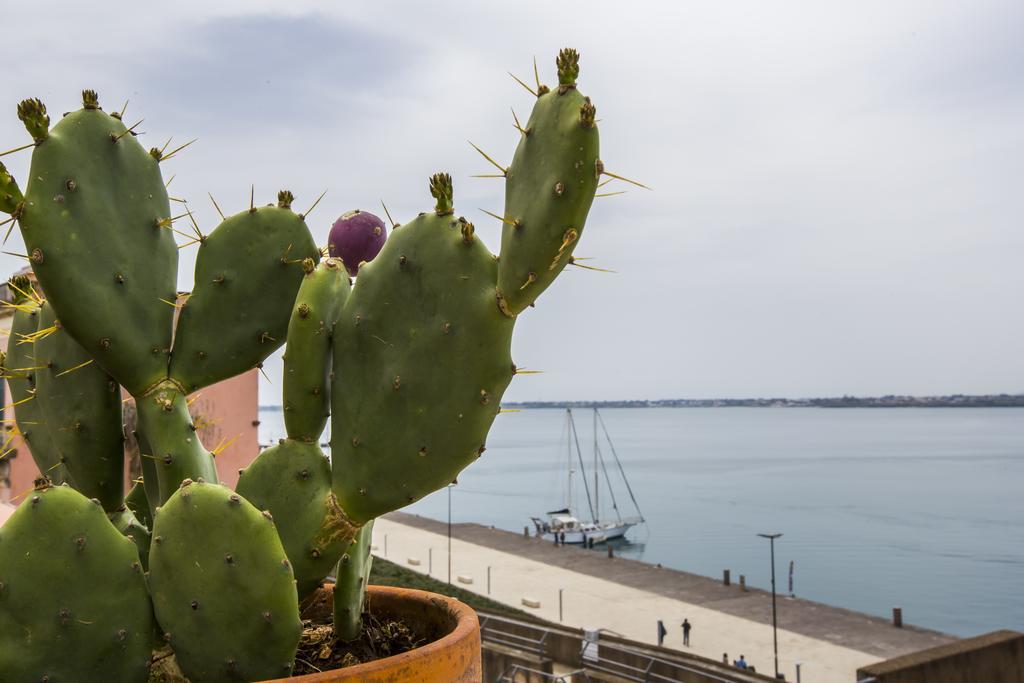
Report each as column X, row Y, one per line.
column 628, row 598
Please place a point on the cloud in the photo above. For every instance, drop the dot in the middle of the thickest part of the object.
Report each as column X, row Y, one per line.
column 836, row 207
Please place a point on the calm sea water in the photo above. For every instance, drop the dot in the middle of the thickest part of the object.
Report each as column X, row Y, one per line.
column 915, row 508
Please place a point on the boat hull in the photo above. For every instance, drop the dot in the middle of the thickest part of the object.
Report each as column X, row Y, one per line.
column 600, row 535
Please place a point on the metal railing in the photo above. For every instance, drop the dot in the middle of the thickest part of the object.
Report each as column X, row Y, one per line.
column 609, row 660
column 490, row 631
column 510, row 675
column 644, row 673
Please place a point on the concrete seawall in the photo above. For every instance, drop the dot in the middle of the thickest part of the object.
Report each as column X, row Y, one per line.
column 586, row 589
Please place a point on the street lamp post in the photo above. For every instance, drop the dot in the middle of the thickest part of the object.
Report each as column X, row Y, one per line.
column 775, row 624
column 450, row 486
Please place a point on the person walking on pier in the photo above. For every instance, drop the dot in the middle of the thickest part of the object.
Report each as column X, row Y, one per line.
column 686, row 632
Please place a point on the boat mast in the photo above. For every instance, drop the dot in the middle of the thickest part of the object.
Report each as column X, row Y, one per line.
column 604, row 470
column 618, row 462
column 597, row 504
column 568, row 443
column 583, row 470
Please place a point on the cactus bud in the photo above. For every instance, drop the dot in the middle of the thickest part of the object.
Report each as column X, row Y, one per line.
column 568, row 63
column 10, row 194
column 32, row 113
column 441, row 190
column 90, row 100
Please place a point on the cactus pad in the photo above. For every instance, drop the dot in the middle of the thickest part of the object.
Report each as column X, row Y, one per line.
column 222, row 587
column 307, row 359
column 293, row 481
column 94, row 223
column 247, row 274
column 73, row 599
column 421, row 360
column 81, row 405
column 20, row 371
column 549, row 188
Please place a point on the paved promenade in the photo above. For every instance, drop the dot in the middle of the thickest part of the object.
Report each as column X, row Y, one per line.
column 628, row 597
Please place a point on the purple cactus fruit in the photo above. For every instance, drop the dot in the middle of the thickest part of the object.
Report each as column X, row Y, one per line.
column 356, row 237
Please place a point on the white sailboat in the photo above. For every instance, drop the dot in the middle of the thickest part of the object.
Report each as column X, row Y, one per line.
column 566, row 527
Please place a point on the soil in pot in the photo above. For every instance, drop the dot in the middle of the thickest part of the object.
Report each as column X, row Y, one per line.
column 382, row 635
column 379, row 638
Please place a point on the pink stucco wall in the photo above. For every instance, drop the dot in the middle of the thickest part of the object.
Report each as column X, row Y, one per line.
column 227, row 413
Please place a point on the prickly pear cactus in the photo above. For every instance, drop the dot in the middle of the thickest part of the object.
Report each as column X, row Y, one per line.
column 549, row 188
column 222, row 587
column 73, row 599
column 411, row 364
column 81, row 405
column 293, row 478
column 421, row 359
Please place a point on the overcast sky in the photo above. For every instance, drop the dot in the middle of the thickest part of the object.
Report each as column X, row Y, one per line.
column 839, row 186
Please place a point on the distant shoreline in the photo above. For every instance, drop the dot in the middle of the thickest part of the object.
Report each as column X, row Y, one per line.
column 892, row 401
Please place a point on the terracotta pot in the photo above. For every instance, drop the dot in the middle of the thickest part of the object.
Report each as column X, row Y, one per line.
column 451, row 656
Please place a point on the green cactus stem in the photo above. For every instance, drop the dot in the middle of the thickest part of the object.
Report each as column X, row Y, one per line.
column 150, row 474
column 171, row 436
column 350, row 587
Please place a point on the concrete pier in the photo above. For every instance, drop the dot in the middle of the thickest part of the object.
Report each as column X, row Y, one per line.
column 628, row 598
